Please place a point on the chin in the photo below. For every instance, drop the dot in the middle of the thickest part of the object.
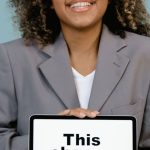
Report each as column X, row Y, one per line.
column 84, row 25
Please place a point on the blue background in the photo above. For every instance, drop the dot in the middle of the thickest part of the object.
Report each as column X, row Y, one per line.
column 8, row 30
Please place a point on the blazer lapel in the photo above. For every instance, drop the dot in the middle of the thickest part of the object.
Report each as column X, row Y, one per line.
column 56, row 69
column 110, row 68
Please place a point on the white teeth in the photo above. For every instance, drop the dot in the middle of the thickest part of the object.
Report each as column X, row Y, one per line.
column 80, row 4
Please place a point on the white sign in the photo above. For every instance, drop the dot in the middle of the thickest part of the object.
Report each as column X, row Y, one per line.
column 82, row 134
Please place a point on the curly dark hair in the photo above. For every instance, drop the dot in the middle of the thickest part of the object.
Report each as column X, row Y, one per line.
column 40, row 23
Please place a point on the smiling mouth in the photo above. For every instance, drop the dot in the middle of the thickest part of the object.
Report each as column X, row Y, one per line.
column 77, row 5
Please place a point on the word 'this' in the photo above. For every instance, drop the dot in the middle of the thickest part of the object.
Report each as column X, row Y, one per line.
column 82, row 141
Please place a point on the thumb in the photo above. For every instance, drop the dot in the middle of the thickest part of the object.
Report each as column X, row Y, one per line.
column 65, row 112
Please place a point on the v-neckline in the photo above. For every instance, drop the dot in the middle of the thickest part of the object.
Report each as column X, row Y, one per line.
column 80, row 75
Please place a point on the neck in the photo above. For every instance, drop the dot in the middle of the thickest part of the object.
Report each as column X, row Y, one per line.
column 83, row 45
column 82, row 41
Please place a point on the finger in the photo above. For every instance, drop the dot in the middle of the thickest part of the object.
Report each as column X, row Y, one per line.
column 91, row 113
column 97, row 113
column 65, row 112
column 81, row 113
column 77, row 113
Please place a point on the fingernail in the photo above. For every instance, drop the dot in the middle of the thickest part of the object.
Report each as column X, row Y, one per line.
column 82, row 115
column 67, row 111
column 97, row 112
column 93, row 114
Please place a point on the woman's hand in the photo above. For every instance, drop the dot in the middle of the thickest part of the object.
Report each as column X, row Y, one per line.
column 79, row 112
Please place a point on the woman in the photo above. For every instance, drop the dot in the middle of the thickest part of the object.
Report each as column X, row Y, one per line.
column 77, row 57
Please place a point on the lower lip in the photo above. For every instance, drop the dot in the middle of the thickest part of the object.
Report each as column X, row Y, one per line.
column 81, row 9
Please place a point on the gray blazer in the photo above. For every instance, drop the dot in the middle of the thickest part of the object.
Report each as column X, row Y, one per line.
column 34, row 81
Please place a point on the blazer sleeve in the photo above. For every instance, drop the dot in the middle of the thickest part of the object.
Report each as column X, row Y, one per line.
column 9, row 138
column 145, row 132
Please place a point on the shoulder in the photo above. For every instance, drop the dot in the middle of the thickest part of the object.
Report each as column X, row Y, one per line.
column 138, row 45
column 15, row 46
column 17, row 51
column 9, row 46
column 138, row 41
column 5, row 49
